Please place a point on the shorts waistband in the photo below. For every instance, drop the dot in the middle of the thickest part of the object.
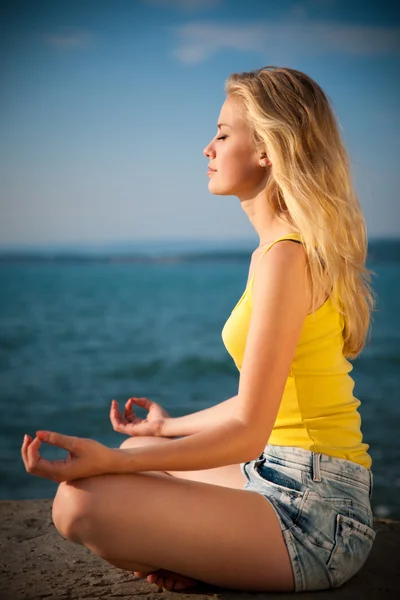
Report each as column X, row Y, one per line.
column 318, row 462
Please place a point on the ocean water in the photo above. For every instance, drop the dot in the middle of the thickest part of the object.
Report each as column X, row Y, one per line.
column 76, row 333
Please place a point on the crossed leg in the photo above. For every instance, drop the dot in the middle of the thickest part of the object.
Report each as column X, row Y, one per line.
column 211, row 532
column 228, row 476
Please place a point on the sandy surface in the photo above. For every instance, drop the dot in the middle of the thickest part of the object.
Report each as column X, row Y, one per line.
column 36, row 563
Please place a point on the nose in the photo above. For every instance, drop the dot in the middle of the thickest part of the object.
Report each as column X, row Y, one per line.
column 207, row 150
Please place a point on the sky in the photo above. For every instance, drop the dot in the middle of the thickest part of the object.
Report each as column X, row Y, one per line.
column 106, row 107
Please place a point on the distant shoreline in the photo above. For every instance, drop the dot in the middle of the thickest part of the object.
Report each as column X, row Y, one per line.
column 64, row 258
column 385, row 250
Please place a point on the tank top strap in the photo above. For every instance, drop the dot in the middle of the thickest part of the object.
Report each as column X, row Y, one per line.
column 290, row 236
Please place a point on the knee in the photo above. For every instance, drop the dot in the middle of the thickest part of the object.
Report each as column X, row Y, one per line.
column 143, row 440
column 71, row 511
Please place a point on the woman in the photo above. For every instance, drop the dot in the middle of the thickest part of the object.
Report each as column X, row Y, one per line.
column 269, row 490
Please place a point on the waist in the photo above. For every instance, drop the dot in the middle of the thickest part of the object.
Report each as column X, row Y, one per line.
column 306, row 460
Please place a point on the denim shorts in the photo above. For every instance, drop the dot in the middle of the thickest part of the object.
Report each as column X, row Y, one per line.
column 323, row 504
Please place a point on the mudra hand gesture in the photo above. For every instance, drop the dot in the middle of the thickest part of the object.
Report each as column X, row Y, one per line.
column 88, row 457
column 131, row 425
column 85, row 458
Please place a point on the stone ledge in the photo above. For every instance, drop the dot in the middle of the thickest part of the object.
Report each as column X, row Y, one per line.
column 37, row 563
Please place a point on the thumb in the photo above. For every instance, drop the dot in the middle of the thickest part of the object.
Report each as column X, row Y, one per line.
column 68, row 442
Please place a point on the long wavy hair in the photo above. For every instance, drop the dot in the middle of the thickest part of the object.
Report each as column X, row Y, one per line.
column 310, row 187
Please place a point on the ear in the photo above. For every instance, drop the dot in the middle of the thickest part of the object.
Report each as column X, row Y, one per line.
column 264, row 160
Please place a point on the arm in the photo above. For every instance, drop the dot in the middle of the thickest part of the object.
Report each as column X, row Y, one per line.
column 224, row 443
column 279, row 309
column 197, row 421
column 86, row 458
column 280, row 305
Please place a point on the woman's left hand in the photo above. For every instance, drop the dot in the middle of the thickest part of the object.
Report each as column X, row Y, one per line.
column 85, row 458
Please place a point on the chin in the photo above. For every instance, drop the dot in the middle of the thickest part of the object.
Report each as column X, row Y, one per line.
column 219, row 191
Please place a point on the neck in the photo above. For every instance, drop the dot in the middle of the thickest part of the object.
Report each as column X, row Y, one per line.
column 267, row 224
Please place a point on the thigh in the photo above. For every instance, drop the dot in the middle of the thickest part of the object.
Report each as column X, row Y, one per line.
column 229, row 476
column 225, row 537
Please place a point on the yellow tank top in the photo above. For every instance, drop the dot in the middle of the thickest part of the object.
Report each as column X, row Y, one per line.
column 318, row 411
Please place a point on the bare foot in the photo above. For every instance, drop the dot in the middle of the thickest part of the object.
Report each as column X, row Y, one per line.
column 168, row 579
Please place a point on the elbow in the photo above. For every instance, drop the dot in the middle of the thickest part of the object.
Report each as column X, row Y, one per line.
column 256, row 443
column 248, row 457
column 254, row 450
column 252, row 442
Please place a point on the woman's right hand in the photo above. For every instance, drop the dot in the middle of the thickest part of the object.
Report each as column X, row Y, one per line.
column 132, row 425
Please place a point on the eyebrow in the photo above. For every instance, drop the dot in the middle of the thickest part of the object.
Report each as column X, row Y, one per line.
column 221, row 124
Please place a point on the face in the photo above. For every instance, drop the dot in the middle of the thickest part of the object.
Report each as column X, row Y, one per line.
column 233, row 156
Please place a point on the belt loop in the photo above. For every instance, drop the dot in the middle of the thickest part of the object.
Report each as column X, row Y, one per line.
column 371, row 483
column 316, row 457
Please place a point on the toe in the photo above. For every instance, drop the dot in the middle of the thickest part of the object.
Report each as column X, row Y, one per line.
column 159, row 581
column 169, row 583
column 180, row 585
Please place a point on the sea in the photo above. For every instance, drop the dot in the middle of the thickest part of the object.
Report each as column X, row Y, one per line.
column 80, row 328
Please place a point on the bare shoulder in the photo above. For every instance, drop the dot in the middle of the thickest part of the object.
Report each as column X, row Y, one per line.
column 280, row 298
column 282, row 274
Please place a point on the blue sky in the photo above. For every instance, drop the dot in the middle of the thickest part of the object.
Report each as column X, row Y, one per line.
column 106, row 107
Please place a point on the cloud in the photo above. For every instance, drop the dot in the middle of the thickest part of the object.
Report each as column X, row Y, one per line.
column 186, row 5
column 199, row 41
column 68, row 37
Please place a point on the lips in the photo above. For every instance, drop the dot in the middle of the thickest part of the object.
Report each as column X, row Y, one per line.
column 210, row 169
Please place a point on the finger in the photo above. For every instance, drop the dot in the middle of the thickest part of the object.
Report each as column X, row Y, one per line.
column 115, row 413
column 115, row 417
column 127, row 409
column 144, row 402
column 24, row 449
column 25, row 443
column 57, row 470
column 33, row 455
column 117, row 423
column 33, row 449
column 129, row 415
column 121, row 428
column 52, row 469
column 67, row 442
column 114, row 409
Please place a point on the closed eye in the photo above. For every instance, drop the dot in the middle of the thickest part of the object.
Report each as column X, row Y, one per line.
column 222, row 137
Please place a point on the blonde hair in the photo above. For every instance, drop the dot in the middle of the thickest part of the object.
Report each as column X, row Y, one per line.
column 310, row 187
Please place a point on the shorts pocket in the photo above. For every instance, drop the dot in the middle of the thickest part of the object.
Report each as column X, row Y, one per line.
column 353, row 543
column 287, row 494
column 279, row 480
